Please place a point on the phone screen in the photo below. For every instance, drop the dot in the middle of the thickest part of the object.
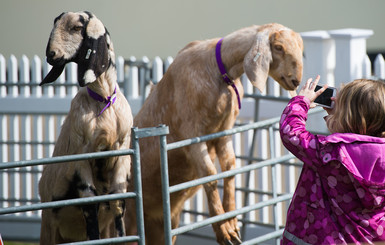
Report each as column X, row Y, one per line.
column 325, row 98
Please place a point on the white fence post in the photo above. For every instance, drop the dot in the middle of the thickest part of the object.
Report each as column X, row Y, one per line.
column 36, row 127
column 120, row 69
column 25, row 136
column 143, row 89
column 168, row 62
column 319, row 52
column 60, row 91
column 157, row 70
column 24, row 76
column 72, row 79
column 319, row 56
column 3, row 77
column 379, row 67
column 3, row 133
column 47, row 90
column 12, row 76
column 367, row 68
column 132, row 88
column 3, row 119
column 14, row 133
column 351, row 50
column 36, row 77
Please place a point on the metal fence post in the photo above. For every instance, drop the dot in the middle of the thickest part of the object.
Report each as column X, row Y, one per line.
column 165, row 191
column 274, row 180
column 246, row 216
column 161, row 131
column 138, row 186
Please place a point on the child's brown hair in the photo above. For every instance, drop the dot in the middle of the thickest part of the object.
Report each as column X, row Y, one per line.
column 360, row 109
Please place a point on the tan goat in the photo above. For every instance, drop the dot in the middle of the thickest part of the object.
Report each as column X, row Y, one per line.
column 193, row 99
column 99, row 119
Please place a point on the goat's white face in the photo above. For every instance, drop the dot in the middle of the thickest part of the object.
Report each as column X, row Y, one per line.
column 82, row 38
column 66, row 37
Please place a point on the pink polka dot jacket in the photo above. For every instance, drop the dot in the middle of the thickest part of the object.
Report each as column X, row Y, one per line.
column 340, row 193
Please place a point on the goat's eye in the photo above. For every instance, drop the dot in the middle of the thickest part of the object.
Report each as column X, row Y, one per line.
column 278, row 47
column 77, row 28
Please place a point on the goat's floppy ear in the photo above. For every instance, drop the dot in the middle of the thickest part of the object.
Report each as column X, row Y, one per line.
column 53, row 74
column 257, row 61
column 92, row 59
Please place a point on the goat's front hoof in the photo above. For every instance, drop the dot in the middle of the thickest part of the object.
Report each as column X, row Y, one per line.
column 239, row 235
column 238, row 240
column 227, row 242
column 227, row 235
column 235, row 241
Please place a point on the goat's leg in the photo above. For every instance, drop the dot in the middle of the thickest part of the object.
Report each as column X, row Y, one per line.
column 224, row 231
column 226, row 157
column 83, row 181
column 120, row 185
column 48, row 231
column 154, row 231
column 90, row 213
column 118, row 208
column 130, row 218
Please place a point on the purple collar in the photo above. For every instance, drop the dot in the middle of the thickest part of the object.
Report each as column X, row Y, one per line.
column 109, row 101
column 223, row 71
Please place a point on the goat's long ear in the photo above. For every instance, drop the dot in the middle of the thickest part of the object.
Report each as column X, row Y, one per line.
column 53, row 74
column 92, row 59
column 257, row 61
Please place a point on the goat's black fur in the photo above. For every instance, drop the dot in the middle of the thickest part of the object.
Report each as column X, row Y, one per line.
column 92, row 56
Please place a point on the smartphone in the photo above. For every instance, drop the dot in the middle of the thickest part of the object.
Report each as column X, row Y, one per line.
column 324, row 99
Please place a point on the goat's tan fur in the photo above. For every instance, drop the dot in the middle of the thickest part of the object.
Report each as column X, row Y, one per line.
column 84, row 131
column 193, row 100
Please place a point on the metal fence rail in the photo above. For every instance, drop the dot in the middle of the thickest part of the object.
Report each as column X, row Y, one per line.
column 29, row 132
column 162, row 131
column 136, row 134
column 270, row 124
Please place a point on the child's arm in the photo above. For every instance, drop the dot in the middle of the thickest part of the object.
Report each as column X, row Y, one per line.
column 293, row 131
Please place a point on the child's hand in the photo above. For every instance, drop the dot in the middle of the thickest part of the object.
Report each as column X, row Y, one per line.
column 330, row 111
column 308, row 90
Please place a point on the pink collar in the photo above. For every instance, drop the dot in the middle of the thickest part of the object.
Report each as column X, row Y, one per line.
column 223, row 71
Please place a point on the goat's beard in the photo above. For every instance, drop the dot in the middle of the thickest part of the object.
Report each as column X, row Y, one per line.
column 53, row 74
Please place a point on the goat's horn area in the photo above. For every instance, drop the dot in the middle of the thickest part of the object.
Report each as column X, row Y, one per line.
column 53, row 74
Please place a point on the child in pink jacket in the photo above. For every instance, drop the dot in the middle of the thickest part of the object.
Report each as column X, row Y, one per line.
column 340, row 193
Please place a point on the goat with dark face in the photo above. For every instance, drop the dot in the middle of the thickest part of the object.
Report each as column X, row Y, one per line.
column 80, row 38
column 99, row 119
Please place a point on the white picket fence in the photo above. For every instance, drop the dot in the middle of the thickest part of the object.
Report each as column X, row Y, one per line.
column 31, row 116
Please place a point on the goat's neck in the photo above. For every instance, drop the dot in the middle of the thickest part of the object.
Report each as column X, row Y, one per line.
column 234, row 48
column 105, row 84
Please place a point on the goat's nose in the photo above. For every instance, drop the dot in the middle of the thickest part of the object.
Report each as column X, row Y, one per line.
column 51, row 54
column 295, row 82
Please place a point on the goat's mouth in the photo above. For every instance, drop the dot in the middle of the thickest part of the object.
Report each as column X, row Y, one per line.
column 289, row 84
column 56, row 62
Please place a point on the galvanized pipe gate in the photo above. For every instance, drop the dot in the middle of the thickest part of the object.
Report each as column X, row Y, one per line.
column 162, row 132
column 167, row 190
column 136, row 134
